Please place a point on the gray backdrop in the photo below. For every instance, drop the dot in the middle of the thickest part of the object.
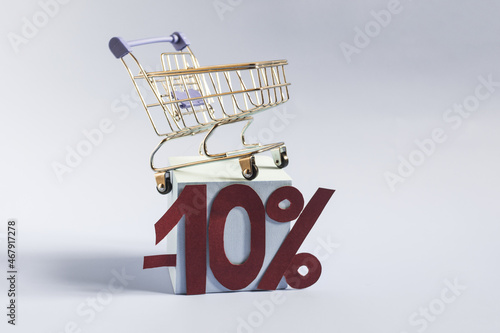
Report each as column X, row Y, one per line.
column 393, row 103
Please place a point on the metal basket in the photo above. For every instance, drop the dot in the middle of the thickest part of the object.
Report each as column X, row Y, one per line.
column 186, row 99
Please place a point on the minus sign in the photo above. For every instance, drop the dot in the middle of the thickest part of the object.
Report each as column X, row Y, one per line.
column 10, row 272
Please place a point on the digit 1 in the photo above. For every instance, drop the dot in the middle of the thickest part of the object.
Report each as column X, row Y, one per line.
column 235, row 277
column 191, row 203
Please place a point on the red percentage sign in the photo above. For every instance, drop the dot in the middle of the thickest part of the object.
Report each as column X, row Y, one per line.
column 286, row 262
column 192, row 204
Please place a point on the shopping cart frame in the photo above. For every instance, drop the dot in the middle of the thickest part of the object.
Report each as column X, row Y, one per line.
column 270, row 89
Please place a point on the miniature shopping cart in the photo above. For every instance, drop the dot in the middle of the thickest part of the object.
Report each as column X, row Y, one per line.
column 184, row 99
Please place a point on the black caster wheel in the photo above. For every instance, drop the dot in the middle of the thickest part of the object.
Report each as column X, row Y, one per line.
column 283, row 161
column 164, row 185
column 280, row 157
column 251, row 174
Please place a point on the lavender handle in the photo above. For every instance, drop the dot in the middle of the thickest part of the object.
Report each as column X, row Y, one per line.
column 120, row 48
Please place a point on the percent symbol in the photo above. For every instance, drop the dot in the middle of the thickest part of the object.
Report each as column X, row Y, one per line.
column 287, row 262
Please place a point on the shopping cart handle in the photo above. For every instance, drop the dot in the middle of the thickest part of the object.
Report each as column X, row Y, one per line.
column 120, row 48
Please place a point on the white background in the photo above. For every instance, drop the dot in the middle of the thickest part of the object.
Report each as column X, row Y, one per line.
column 353, row 119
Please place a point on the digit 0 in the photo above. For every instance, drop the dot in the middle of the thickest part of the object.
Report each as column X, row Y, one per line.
column 231, row 276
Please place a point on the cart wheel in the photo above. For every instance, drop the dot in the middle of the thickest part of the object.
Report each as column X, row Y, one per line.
column 280, row 157
column 164, row 189
column 251, row 174
column 284, row 161
column 163, row 183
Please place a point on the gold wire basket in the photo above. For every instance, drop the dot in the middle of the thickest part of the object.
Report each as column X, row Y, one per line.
column 184, row 99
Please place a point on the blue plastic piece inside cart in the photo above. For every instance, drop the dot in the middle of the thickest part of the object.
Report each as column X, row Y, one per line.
column 192, row 94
